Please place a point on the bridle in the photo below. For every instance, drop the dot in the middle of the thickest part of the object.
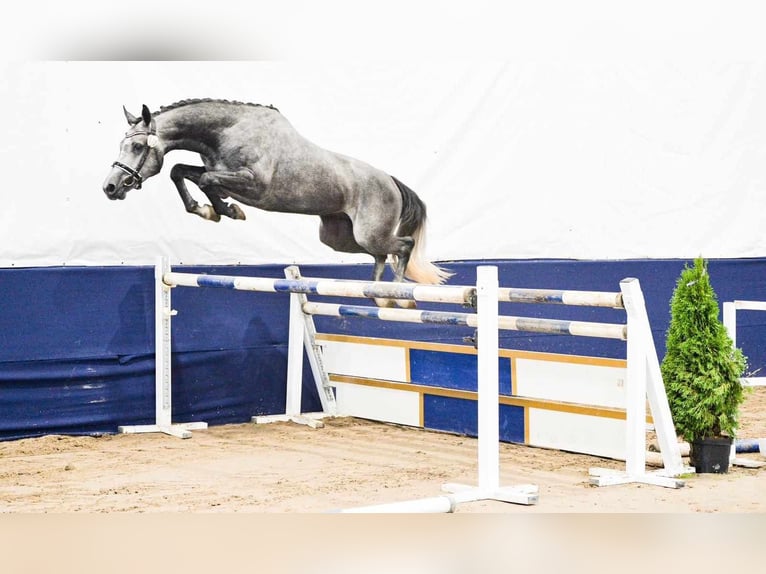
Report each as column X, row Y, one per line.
column 134, row 179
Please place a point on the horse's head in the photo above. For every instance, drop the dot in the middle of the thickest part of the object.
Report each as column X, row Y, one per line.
column 141, row 155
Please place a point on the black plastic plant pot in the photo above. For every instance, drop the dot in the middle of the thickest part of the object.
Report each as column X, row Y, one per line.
column 710, row 455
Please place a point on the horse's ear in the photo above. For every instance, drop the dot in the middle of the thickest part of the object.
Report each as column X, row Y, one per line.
column 146, row 115
column 132, row 120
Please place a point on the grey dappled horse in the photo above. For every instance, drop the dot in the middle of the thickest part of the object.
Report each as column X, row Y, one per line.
column 252, row 154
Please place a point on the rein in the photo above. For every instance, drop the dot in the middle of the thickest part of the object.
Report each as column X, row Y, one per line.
column 135, row 180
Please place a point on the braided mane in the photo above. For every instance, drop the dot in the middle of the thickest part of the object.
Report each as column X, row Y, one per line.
column 191, row 101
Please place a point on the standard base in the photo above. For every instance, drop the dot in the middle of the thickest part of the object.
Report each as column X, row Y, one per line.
column 611, row 477
column 526, row 494
column 181, row 430
column 436, row 504
column 309, row 419
column 747, row 463
column 459, row 493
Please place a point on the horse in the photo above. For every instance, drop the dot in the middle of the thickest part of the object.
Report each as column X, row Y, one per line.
column 251, row 153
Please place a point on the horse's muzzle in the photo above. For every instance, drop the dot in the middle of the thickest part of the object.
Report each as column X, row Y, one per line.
column 113, row 191
column 116, row 184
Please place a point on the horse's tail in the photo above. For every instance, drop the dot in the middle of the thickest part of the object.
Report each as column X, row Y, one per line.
column 412, row 222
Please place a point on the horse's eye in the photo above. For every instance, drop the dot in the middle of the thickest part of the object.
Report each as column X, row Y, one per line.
column 137, row 147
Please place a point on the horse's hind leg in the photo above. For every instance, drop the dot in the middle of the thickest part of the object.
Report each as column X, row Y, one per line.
column 378, row 238
column 377, row 275
column 337, row 231
column 405, row 246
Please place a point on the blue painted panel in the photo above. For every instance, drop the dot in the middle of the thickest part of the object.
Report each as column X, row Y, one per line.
column 461, row 416
column 512, row 424
column 453, row 370
column 446, row 370
column 450, row 414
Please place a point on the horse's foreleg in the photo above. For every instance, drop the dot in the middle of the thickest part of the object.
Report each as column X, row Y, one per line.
column 181, row 172
column 243, row 184
column 406, row 244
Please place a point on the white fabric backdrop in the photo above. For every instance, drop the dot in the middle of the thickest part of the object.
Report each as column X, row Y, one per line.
column 570, row 159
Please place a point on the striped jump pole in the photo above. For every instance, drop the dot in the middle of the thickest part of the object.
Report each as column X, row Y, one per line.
column 559, row 297
column 464, row 295
column 507, row 323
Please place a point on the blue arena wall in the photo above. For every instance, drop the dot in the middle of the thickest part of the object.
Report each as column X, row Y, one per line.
column 77, row 343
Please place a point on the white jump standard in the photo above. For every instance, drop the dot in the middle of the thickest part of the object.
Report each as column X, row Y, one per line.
column 643, row 373
column 163, row 403
column 488, row 487
column 302, row 330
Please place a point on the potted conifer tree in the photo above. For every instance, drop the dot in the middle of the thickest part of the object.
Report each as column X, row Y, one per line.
column 701, row 370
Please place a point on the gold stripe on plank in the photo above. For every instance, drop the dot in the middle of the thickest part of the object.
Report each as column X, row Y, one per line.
column 526, row 425
column 524, row 402
column 470, row 350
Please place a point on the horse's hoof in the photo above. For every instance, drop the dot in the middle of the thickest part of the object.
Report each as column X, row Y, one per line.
column 235, row 212
column 207, row 212
column 385, row 303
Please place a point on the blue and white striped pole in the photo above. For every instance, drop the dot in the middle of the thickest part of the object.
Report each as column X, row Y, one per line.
column 464, row 295
column 507, row 323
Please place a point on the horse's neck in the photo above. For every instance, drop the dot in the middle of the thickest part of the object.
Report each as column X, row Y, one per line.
column 189, row 128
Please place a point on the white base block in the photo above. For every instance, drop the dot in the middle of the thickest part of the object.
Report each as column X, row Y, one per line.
column 611, row 477
column 747, row 463
column 526, row 494
column 309, row 419
column 459, row 493
column 180, row 430
column 436, row 504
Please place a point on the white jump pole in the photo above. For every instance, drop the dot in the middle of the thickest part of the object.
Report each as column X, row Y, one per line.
column 487, row 358
column 433, row 505
column 294, row 358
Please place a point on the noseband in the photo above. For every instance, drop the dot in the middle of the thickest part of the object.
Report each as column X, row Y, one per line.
column 134, row 179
